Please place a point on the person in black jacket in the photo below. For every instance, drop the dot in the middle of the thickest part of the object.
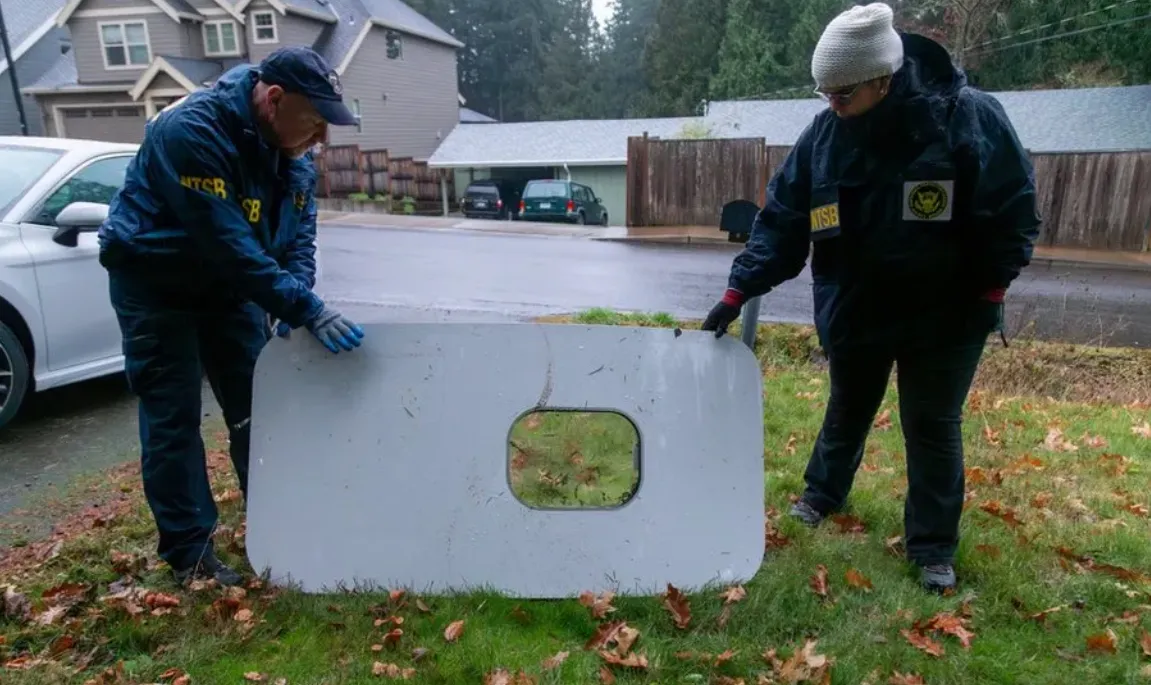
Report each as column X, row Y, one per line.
column 916, row 202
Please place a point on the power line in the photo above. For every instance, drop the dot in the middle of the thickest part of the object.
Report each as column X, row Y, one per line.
column 1061, row 22
column 806, row 89
column 1065, row 34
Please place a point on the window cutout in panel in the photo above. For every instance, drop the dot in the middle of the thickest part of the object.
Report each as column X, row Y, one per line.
column 567, row 459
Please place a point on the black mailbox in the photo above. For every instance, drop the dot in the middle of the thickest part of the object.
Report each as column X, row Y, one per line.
column 736, row 218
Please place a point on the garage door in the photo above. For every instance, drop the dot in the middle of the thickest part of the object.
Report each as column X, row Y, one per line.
column 115, row 124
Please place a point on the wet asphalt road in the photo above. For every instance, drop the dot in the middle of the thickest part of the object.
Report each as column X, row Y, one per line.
column 385, row 274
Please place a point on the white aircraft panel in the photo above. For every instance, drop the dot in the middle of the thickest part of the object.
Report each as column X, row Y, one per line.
column 388, row 466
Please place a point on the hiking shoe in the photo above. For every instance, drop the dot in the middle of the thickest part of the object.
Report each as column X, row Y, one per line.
column 209, row 568
column 803, row 511
column 937, row 577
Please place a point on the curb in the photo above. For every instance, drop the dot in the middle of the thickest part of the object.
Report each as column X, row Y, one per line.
column 1046, row 261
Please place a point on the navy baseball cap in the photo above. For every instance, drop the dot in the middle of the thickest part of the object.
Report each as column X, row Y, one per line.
column 301, row 70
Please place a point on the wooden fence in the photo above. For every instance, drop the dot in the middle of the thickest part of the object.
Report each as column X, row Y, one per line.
column 1086, row 200
column 1098, row 200
column 687, row 182
column 347, row 170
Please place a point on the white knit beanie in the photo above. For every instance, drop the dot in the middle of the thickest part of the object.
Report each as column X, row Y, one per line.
column 858, row 45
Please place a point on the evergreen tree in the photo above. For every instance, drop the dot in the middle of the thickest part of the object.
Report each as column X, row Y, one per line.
column 683, row 55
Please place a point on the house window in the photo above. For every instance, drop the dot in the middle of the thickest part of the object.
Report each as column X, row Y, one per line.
column 395, row 45
column 356, row 113
column 264, row 27
column 125, row 45
column 220, row 38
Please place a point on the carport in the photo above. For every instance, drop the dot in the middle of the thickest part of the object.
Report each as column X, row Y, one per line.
column 591, row 152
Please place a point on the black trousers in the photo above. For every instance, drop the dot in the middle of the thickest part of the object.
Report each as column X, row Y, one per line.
column 170, row 341
column 933, row 383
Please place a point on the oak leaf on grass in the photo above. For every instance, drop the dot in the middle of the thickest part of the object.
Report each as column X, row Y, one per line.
column 453, row 631
column 678, row 605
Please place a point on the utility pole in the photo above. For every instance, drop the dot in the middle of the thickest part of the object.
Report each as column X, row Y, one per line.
column 12, row 76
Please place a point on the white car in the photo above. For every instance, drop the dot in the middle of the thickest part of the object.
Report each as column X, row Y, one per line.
column 57, row 325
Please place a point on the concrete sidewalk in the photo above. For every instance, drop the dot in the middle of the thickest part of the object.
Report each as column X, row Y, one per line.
column 683, row 235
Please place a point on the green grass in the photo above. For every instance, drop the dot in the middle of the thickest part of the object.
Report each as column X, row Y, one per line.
column 1071, row 505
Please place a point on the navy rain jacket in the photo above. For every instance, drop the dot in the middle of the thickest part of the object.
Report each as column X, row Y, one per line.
column 910, row 213
column 209, row 207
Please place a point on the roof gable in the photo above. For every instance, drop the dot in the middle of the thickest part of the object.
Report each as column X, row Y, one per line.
column 27, row 23
column 320, row 10
column 191, row 74
column 177, row 10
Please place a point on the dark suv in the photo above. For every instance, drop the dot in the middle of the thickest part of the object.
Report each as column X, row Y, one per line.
column 563, row 202
column 490, row 199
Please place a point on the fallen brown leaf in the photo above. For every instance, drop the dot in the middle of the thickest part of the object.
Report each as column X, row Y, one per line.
column 773, row 538
column 990, row 550
column 733, row 594
column 848, row 523
column 950, row 624
column 804, row 665
column 605, row 676
column 632, row 660
column 392, row 638
column 453, row 631
column 243, row 616
column 392, row 671
column 554, row 662
column 991, row 436
column 159, row 599
column 1055, row 441
column 171, row 674
column 1041, row 500
column 600, row 606
column 818, row 582
column 894, row 546
column 1139, row 510
column 1145, row 643
column 254, row 677
column 1042, row 615
column 1006, row 514
column 60, row 645
column 857, row 580
column 898, row 678
column 883, row 421
column 605, row 633
column 422, row 606
column 724, row 657
column 419, row 653
column 1143, row 431
column 922, row 642
column 625, row 638
column 1103, row 642
column 187, row 680
column 678, row 605
column 224, row 608
column 790, row 447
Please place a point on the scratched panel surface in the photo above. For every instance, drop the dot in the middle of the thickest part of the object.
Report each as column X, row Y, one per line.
column 388, row 467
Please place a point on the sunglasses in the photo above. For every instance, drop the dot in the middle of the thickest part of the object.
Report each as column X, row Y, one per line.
column 843, row 96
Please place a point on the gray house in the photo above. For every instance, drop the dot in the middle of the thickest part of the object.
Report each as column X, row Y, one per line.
column 594, row 152
column 131, row 58
column 36, row 42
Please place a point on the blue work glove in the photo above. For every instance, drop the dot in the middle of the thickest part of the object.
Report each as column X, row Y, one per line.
column 283, row 330
column 333, row 329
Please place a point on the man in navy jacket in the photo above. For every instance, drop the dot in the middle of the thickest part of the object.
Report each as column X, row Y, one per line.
column 214, row 230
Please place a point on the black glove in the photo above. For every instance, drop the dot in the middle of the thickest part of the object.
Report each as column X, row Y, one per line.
column 724, row 312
